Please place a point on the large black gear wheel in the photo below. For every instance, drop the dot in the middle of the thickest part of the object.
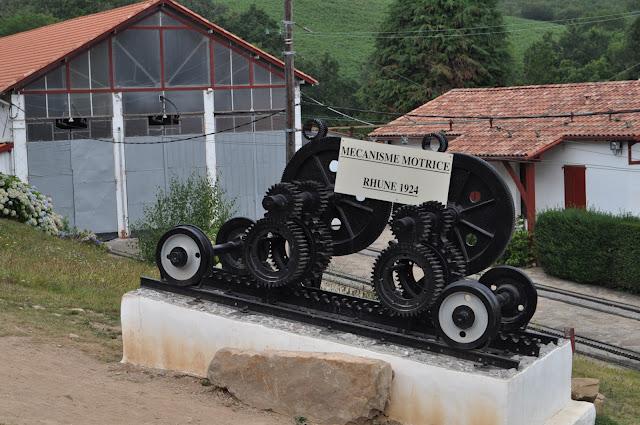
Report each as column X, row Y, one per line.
column 411, row 223
column 355, row 224
column 320, row 248
column 317, row 199
column 395, row 281
column 481, row 212
column 283, row 200
column 434, row 211
column 272, row 233
column 449, row 255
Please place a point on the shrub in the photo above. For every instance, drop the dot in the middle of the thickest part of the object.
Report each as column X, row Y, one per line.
column 537, row 12
column 519, row 252
column 590, row 247
column 188, row 201
column 22, row 202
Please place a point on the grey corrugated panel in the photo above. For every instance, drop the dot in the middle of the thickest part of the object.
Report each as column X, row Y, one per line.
column 248, row 164
column 6, row 166
column 149, row 168
column 94, row 186
column 50, row 171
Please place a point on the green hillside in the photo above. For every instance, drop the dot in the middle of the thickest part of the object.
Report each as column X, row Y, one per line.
column 525, row 32
column 363, row 16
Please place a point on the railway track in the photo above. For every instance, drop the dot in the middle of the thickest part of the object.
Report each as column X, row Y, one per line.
column 584, row 345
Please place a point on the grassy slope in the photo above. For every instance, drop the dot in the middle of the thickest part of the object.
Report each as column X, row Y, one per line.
column 43, row 278
column 364, row 15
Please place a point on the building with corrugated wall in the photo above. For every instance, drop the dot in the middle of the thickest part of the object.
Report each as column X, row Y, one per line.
column 101, row 111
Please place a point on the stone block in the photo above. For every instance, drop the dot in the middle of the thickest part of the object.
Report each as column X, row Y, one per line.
column 326, row 388
column 585, row 389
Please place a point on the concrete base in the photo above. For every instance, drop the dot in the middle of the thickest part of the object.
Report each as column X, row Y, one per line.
column 168, row 331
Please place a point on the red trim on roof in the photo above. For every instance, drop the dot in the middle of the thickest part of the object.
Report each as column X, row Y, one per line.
column 139, row 11
column 6, row 147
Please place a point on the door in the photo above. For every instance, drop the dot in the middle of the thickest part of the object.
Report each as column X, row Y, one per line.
column 575, row 192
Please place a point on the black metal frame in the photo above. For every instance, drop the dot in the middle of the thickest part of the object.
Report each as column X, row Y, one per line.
column 351, row 314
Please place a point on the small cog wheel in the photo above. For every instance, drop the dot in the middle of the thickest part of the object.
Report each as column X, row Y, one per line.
column 276, row 270
column 315, row 197
column 283, row 200
column 408, row 278
column 411, row 223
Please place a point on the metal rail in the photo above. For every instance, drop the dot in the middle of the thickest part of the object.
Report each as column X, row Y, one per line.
column 355, row 315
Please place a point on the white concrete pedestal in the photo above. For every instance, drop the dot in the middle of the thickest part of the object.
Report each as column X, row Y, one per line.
column 168, row 331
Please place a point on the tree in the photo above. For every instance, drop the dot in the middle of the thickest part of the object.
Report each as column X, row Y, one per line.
column 577, row 55
column 255, row 26
column 418, row 56
column 334, row 88
column 24, row 21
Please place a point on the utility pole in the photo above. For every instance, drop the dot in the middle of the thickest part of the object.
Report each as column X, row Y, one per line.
column 289, row 78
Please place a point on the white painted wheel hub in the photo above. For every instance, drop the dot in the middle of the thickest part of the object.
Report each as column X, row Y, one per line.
column 457, row 334
column 194, row 257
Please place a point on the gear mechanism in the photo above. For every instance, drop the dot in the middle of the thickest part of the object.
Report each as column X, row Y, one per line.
column 408, row 278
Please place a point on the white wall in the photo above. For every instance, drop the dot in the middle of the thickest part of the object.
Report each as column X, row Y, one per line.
column 6, row 163
column 612, row 185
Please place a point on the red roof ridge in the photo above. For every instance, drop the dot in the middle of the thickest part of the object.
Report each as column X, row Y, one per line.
column 91, row 15
column 543, row 86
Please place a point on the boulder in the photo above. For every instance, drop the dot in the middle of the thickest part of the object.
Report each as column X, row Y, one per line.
column 599, row 403
column 325, row 388
column 585, row 389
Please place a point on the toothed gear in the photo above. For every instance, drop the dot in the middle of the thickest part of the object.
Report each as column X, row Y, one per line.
column 434, row 209
column 318, row 234
column 321, row 197
column 411, row 223
column 453, row 259
column 283, row 200
column 395, row 284
column 273, row 232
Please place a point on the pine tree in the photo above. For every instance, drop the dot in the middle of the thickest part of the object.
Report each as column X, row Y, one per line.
column 427, row 47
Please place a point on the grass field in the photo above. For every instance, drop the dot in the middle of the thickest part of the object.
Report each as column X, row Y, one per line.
column 52, row 288
column 363, row 16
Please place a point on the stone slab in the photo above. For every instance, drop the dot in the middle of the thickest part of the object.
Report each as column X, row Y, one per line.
column 168, row 331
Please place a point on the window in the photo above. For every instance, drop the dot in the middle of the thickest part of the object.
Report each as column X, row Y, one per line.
column 261, row 74
column 99, row 62
column 137, row 58
column 186, row 58
column 634, row 153
column 79, row 72
column 222, row 64
column 240, row 67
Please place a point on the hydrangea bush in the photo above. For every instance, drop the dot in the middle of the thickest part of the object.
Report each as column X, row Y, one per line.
column 22, row 202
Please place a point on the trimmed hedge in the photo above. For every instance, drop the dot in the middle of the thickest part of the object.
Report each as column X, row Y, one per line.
column 590, row 247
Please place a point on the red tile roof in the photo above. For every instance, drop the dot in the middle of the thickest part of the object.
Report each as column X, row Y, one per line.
column 524, row 137
column 26, row 53
column 6, row 147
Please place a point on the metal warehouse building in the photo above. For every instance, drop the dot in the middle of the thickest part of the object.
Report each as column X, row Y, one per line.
column 101, row 110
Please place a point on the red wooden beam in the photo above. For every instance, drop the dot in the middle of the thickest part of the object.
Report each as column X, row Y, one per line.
column 530, row 185
column 527, row 190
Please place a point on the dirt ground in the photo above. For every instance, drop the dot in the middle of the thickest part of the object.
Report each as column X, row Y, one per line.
column 48, row 383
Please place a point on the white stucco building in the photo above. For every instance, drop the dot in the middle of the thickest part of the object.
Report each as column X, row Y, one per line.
column 557, row 146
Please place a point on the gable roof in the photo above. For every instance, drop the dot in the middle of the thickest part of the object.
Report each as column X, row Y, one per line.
column 525, row 138
column 24, row 54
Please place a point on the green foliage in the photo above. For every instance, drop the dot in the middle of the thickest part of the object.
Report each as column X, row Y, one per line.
column 605, row 420
column 407, row 71
column 24, row 21
column 21, row 202
column 590, row 247
column 190, row 201
column 579, row 54
column 334, row 88
column 519, row 252
column 256, row 26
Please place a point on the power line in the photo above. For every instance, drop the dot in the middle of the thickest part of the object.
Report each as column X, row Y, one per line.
column 516, row 25
column 334, row 110
column 455, row 35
